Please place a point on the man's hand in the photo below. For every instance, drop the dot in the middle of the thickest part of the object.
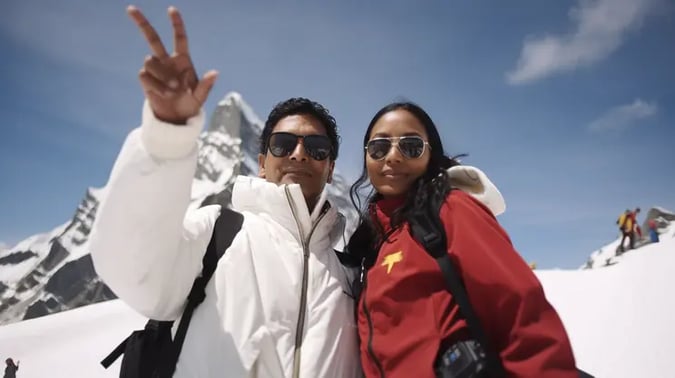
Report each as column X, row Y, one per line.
column 170, row 82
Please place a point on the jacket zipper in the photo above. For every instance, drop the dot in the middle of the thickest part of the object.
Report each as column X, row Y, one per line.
column 303, row 293
column 371, row 351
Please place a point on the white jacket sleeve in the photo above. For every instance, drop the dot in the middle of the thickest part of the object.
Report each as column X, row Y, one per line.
column 476, row 183
column 144, row 245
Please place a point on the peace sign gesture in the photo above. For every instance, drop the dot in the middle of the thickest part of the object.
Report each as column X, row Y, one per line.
column 170, row 82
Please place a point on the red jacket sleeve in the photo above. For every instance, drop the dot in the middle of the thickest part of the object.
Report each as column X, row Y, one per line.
column 506, row 295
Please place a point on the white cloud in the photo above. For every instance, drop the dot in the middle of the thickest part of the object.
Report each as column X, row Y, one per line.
column 622, row 117
column 600, row 28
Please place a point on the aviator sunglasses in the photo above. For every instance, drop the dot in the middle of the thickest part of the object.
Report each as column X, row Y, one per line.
column 411, row 147
column 282, row 144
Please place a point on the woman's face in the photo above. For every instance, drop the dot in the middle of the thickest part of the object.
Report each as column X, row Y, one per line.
column 393, row 174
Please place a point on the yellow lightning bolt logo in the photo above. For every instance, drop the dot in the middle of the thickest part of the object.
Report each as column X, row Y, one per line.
column 391, row 259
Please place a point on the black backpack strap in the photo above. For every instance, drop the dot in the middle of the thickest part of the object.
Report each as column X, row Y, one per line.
column 115, row 354
column 347, row 259
column 427, row 228
column 226, row 228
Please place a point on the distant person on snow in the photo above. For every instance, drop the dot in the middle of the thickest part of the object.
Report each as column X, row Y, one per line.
column 11, row 368
column 625, row 223
column 636, row 225
column 653, row 233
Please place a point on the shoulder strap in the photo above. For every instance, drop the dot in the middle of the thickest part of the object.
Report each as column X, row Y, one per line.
column 427, row 229
column 347, row 259
column 226, row 228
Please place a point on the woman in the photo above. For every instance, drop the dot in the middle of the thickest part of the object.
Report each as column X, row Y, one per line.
column 406, row 316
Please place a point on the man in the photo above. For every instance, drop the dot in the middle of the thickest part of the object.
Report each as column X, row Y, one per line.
column 279, row 303
column 276, row 306
column 625, row 222
column 629, row 227
column 636, row 225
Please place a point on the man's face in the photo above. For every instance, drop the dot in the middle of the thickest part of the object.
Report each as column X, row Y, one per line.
column 298, row 167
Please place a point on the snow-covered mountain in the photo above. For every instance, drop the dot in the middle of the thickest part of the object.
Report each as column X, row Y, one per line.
column 619, row 320
column 53, row 271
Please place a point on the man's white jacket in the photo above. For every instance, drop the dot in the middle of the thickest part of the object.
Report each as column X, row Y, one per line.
column 149, row 250
column 257, row 314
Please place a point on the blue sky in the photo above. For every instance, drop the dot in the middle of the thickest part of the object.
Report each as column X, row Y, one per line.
column 566, row 105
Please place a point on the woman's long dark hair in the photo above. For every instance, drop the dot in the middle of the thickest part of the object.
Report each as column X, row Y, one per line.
column 433, row 184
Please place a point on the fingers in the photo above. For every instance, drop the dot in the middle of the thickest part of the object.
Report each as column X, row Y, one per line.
column 180, row 42
column 151, row 84
column 149, row 32
column 161, row 71
column 201, row 92
column 157, row 89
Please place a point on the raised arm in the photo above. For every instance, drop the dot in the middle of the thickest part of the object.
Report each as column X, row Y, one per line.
column 143, row 243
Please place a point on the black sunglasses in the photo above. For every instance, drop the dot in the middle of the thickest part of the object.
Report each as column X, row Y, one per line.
column 411, row 147
column 282, row 144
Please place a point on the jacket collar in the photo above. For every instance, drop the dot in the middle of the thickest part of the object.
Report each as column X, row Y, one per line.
column 382, row 210
column 286, row 205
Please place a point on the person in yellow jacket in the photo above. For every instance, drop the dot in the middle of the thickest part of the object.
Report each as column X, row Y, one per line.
column 626, row 222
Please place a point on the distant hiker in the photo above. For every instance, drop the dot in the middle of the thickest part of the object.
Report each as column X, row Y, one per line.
column 533, row 265
column 636, row 225
column 626, row 222
column 653, row 233
column 11, row 368
column 589, row 263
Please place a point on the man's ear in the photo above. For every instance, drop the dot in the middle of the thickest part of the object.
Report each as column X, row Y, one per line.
column 331, row 167
column 261, row 166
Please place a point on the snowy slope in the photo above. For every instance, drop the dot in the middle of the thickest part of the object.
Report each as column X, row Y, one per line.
column 70, row 343
column 619, row 319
